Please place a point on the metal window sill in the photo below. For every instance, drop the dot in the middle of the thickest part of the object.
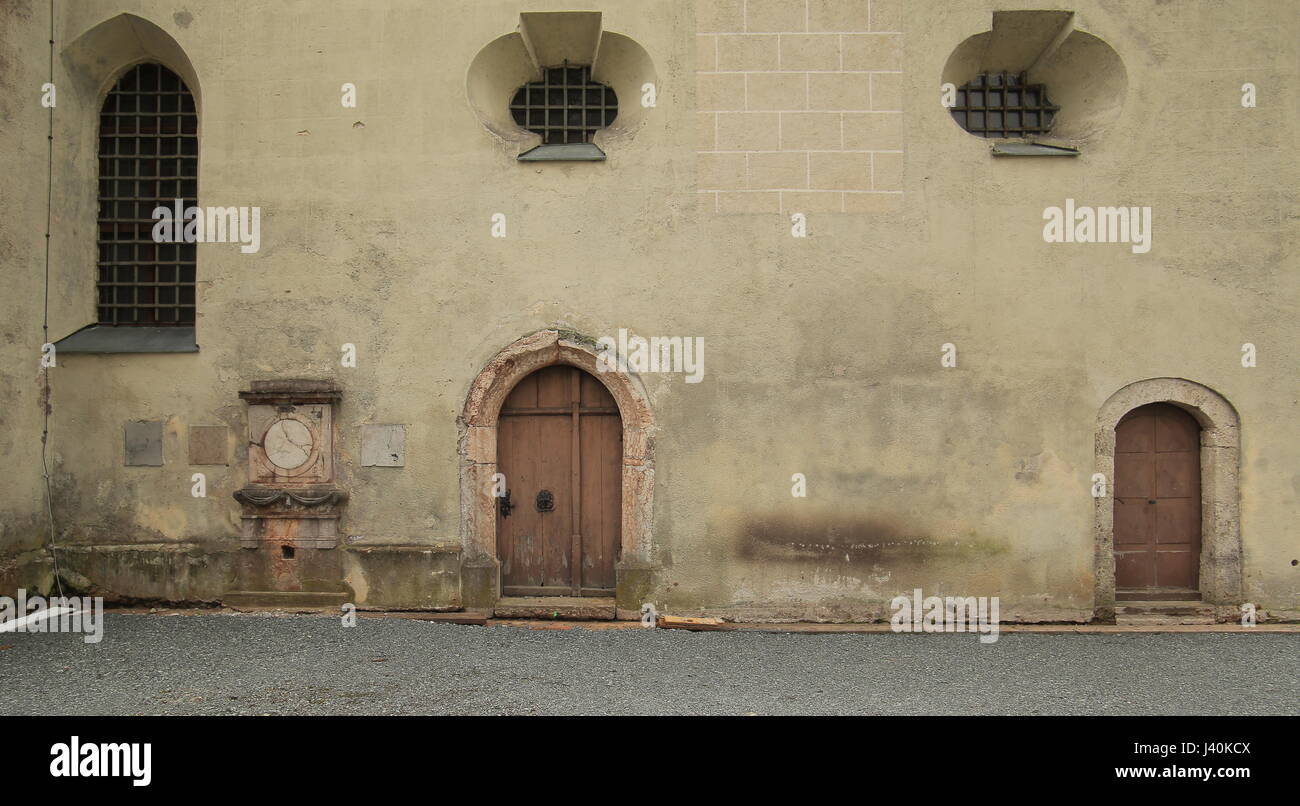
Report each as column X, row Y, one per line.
column 571, row 152
column 1032, row 150
column 128, row 339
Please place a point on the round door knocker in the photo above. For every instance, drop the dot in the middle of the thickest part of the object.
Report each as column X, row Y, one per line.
column 545, row 501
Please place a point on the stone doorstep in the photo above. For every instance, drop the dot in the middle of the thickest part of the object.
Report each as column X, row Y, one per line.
column 569, row 608
column 1164, row 608
column 1162, row 613
column 560, row 625
column 1152, row 621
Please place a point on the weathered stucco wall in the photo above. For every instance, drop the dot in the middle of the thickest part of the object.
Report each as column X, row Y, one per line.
column 822, row 353
column 23, row 129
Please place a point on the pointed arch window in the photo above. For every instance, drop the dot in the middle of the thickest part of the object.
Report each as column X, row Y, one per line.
column 148, row 158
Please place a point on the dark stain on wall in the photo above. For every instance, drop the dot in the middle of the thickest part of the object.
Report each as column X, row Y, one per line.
column 867, row 540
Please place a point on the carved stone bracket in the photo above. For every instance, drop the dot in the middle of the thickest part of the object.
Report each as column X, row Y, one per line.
column 304, row 502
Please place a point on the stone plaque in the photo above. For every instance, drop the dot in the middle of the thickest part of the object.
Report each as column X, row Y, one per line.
column 144, row 443
column 383, row 446
column 208, row 445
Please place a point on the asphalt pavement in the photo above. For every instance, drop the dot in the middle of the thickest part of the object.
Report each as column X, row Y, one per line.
column 223, row 663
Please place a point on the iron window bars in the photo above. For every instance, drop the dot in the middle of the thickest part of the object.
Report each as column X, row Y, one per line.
column 1003, row 105
column 566, row 106
column 148, row 158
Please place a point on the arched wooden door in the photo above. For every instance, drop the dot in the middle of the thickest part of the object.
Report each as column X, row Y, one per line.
column 1157, row 504
column 560, row 447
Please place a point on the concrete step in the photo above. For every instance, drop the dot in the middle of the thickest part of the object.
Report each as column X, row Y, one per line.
column 586, row 608
column 1164, row 608
column 1162, row 613
column 285, row 599
column 1160, row 621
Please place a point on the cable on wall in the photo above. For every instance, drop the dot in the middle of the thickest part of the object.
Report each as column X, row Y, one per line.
column 45, row 324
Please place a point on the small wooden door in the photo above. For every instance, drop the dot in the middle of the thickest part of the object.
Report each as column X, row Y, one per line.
column 1157, row 504
column 560, row 447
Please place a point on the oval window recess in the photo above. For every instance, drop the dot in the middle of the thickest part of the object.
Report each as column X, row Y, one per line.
column 1071, row 76
column 510, row 63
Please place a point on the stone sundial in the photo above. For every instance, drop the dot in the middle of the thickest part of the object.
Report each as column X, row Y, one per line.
column 288, row 444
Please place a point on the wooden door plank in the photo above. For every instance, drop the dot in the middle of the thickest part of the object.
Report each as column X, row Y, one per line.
column 602, row 457
column 505, row 466
column 523, row 396
column 554, row 449
column 594, row 394
column 575, row 483
column 526, row 524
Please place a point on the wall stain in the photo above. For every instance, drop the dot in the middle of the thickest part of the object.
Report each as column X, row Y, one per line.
column 874, row 540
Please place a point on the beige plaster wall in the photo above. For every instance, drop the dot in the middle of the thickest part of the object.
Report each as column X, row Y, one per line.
column 822, row 353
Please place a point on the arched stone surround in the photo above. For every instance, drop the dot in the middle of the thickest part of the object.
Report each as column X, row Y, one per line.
column 1220, row 575
column 480, row 573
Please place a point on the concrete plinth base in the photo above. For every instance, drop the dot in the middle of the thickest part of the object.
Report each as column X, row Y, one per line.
column 285, row 599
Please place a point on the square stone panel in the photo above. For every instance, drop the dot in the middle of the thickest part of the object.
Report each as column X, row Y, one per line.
column 383, row 446
column 209, row 445
column 310, row 423
column 144, row 443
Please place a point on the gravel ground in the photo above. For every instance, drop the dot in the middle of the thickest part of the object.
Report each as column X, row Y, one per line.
column 258, row 664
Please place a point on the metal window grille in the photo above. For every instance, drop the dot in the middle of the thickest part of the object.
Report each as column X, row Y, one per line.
column 566, row 106
column 148, row 158
column 1003, row 105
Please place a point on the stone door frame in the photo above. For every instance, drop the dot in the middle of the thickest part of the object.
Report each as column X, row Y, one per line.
column 1220, row 577
column 480, row 567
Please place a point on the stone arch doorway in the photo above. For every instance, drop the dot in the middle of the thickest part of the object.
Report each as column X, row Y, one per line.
column 480, row 433
column 1189, row 412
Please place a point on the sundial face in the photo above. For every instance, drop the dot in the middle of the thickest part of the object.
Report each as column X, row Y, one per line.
column 288, row 444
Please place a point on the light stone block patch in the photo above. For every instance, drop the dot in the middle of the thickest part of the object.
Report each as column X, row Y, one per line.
column 873, row 52
column 775, row 15
column 810, row 52
column 747, row 52
column 776, row 91
column 839, row 15
column 719, row 15
column 809, row 93
column 383, row 446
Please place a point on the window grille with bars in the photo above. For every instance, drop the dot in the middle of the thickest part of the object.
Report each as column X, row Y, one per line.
column 566, row 106
column 148, row 158
column 1003, row 105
